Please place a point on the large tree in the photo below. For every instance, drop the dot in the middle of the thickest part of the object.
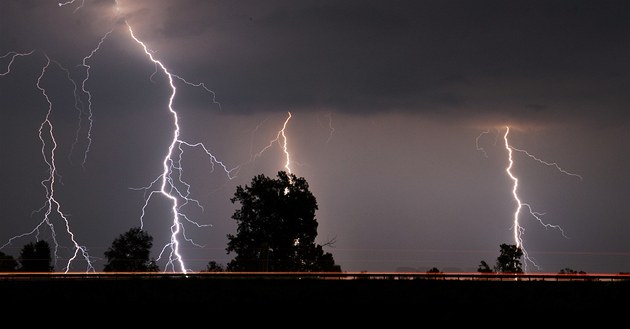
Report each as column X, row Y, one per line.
column 277, row 227
column 509, row 261
column 130, row 252
column 36, row 257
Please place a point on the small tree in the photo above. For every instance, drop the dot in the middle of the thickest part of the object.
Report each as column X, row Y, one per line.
column 568, row 270
column 214, row 267
column 509, row 261
column 277, row 227
column 130, row 253
column 7, row 263
column 36, row 257
column 484, row 267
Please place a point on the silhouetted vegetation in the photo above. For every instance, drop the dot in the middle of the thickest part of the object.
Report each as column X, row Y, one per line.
column 484, row 267
column 7, row 263
column 509, row 260
column 214, row 267
column 568, row 270
column 36, row 257
column 277, row 227
column 130, row 252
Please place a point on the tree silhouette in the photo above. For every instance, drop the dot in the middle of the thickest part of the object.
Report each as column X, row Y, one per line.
column 7, row 263
column 36, row 257
column 509, row 261
column 568, row 270
column 484, row 267
column 277, row 227
column 130, row 253
column 213, row 266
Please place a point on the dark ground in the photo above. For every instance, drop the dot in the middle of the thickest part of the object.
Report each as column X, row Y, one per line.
column 325, row 296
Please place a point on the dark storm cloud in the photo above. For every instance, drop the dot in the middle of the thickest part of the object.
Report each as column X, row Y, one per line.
column 518, row 60
column 439, row 57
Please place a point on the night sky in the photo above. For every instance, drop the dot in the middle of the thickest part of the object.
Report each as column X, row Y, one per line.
column 399, row 113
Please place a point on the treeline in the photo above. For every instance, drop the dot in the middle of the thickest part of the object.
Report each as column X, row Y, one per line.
column 276, row 232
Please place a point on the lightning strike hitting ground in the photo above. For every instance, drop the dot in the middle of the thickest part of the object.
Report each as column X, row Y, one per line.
column 518, row 229
column 170, row 182
column 176, row 190
column 52, row 206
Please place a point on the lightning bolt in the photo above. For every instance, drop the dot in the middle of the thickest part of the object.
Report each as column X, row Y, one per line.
column 281, row 139
column 480, row 148
column 13, row 55
column 51, row 205
column 285, row 149
column 61, row 4
column 170, row 183
column 175, row 189
column 89, row 98
column 330, row 127
column 518, row 230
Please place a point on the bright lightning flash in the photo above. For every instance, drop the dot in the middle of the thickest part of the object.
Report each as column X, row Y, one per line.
column 168, row 186
column 283, row 144
column 51, row 206
column 517, row 228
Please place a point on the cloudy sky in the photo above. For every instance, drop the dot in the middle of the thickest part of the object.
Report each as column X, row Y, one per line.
column 397, row 115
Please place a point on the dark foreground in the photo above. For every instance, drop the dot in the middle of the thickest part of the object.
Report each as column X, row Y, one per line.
column 277, row 294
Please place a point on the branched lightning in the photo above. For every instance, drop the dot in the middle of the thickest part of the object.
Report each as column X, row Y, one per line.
column 281, row 139
column 13, row 55
column 51, row 205
column 550, row 164
column 518, row 229
column 169, row 186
